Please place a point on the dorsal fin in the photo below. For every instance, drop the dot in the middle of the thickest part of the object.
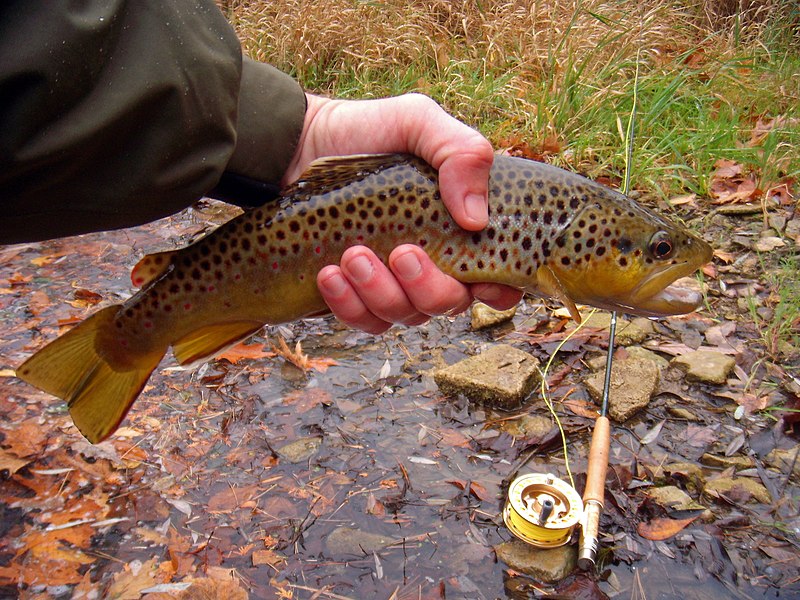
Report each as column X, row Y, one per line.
column 151, row 267
column 334, row 172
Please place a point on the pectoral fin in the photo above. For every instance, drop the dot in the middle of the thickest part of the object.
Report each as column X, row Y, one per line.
column 548, row 284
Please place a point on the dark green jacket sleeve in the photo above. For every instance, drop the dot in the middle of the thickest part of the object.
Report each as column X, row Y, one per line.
column 113, row 114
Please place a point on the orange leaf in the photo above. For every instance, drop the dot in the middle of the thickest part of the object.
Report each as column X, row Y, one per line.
column 663, row 529
column 242, row 351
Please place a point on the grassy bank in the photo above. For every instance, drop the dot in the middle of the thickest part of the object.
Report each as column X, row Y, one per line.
column 558, row 75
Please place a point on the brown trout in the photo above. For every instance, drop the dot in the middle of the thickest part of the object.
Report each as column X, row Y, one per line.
column 551, row 233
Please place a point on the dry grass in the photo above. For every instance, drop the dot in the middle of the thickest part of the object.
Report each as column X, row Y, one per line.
column 544, row 70
column 532, row 38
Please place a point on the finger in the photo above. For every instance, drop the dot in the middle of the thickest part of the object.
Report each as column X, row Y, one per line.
column 345, row 303
column 428, row 289
column 378, row 288
column 499, row 297
column 461, row 154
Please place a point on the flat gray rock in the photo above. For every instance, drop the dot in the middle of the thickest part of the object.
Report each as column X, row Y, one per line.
column 347, row 542
column 705, row 366
column 549, row 565
column 633, row 382
column 501, row 375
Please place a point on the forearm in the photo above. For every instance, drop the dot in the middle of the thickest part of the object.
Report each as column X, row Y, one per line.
column 120, row 113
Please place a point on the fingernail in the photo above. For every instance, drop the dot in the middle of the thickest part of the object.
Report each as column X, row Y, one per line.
column 335, row 285
column 475, row 207
column 360, row 269
column 407, row 266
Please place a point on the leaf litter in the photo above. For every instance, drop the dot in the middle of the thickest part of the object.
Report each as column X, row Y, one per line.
column 197, row 496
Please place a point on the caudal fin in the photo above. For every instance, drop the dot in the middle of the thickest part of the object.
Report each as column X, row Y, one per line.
column 98, row 395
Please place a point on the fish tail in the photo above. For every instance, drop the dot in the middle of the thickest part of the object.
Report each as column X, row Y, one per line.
column 97, row 393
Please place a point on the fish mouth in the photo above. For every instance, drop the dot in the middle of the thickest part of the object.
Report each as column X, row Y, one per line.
column 659, row 296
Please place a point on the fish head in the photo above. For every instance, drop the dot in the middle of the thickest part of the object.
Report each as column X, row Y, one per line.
column 618, row 255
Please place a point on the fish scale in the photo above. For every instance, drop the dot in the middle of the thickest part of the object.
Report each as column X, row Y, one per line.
column 550, row 233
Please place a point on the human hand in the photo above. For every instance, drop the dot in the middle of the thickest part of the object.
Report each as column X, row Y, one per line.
column 362, row 291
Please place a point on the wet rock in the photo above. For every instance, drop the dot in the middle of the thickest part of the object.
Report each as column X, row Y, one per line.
column 548, row 565
column 300, row 450
column 634, row 332
column 688, row 470
column 783, row 460
column 716, row 460
column 639, row 352
column 633, row 383
column 726, row 486
column 501, row 375
column 485, row 316
column 533, row 426
column 682, row 413
column 673, row 498
column 705, row 366
column 347, row 541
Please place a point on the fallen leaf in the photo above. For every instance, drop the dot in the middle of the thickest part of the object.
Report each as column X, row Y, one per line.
column 768, row 243
column 10, row 463
column 135, row 577
column 662, row 529
column 300, row 360
column 242, row 351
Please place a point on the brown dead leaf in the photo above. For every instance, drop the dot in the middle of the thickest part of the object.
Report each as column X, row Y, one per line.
column 300, row 360
column 242, row 351
column 231, row 498
column 724, row 256
column 582, row 408
column 304, row 400
column 38, row 302
column 135, row 577
column 26, row 439
column 85, row 298
column 662, row 529
column 729, row 184
column 267, row 557
column 10, row 463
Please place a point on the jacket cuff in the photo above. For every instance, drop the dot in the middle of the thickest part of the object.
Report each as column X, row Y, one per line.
column 272, row 108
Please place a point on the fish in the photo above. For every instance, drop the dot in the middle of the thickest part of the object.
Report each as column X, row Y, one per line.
column 551, row 233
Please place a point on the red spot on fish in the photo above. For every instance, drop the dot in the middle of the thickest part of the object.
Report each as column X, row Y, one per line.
column 148, row 324
column 360, row 238
column 237, row 277
column 123, row 343
column 318, row 249
column 187, row 306
column 274, row 268
column 211, row 288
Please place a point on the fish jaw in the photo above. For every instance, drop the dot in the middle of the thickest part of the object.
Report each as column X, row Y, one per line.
column 656, row 295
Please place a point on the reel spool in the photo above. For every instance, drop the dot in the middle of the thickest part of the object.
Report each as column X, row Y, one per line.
column 542, row 510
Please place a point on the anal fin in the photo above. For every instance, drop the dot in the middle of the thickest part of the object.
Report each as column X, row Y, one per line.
column 205, row 342
column 151, row 267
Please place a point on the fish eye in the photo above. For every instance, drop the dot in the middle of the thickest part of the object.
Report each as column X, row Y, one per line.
column 661, row 245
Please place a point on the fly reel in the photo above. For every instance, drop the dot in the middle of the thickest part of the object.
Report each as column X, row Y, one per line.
column 542, row 510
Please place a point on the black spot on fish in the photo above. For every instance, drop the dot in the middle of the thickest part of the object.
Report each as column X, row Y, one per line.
column 623, row 262
column 527, row 199
column 196, row 274
column 526, row 243
column 565, row 260
column 574, row 203
column 248, row 227
column 245, row 244
column 504, row 255
column 600, row 251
